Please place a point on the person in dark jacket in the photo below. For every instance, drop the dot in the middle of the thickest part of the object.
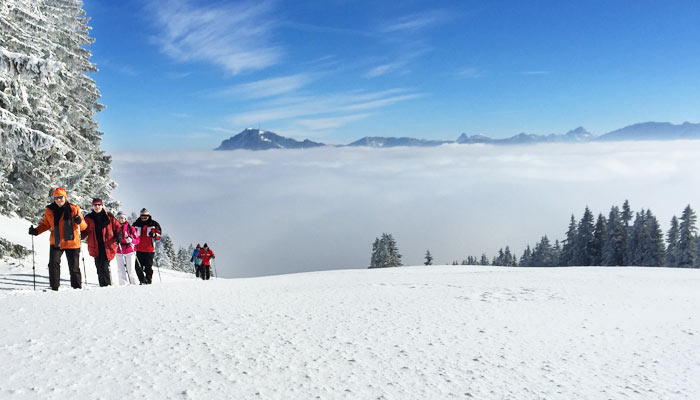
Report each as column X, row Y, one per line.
column 103, row 233
column 205, row 254
column 148, row 231
column 196, row 260
column 65, row 222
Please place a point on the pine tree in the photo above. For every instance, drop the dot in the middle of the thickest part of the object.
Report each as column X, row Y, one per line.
column 385, row 253
column 613, row 249
column 634, row 243
column 47, row 107
column 568, row 256
column 428, row 258
column 654, row 238
column 484, row 260
column 672, row 237
column 526, row 258
column 584, row 243
column 686, row 239
column 599, row 237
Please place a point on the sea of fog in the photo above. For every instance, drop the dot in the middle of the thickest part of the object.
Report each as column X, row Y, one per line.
column 282, row 211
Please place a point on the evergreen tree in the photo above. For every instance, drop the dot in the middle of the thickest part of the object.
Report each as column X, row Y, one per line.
column 634, row 243
column 613, row 249
column 556, row 253
column 584, row 244
column 568, row 256
column 526, row 258
column 686, row 239
column 47, row 107
column 385, row 253
column 672, row 237
column 428, row 258
column 599, row 238
column 654, row 242
column 484, row 260
column 626, row 217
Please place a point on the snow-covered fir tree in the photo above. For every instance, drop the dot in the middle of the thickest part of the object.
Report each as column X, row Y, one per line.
column 568, row 249
column 599, row 238
column 584, row 243
column 47, row 107
column 613, row 248
column 687, row 239
column 385, row 253
column 672, row 237
column 428, row 258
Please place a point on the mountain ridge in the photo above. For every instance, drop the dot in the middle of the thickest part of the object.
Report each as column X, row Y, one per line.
column 257, row 139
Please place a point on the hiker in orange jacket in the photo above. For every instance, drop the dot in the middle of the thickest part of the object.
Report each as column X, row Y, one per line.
column 65, row 222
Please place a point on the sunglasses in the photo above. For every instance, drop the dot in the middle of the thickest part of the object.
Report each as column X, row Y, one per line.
column 58, row 197
column 144, row 216
column 97, row 205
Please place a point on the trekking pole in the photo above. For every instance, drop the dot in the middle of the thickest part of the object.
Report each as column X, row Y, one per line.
column 85, row 272
column 33, row 263
column 215, row 274
column 126, row 270
column 153, row 240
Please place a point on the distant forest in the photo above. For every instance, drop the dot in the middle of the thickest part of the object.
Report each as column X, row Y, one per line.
column 623, row 238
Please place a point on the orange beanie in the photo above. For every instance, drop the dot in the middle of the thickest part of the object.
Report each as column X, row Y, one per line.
column 60, row 192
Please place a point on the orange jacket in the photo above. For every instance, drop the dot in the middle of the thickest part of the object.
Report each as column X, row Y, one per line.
column 49, row 223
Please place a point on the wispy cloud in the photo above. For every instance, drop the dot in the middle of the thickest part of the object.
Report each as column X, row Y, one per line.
column 235, row 36
column 418, row 21
column 384, row 69
column 295, row 107
column 331, row 122
column 177, row 75
column 535, row 72
column 266, row 87
column 470, row 73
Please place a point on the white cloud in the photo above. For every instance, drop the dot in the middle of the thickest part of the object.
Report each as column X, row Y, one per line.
column 535, row 72
column 384, row 69
column 331, row 122
column 303, row 210
column 470, row 73
column 294, row 107
column 235, row 36
column 267, row 87
column 414, row 22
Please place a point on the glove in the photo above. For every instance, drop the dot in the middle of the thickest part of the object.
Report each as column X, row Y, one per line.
column 192, row 259
column 77, row 219
column 129, row 240
column 151, row 234
column 33, row 231
column 213, row 256
column 118, row 238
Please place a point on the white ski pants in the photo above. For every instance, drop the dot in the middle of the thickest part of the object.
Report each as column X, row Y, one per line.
column 130, row 261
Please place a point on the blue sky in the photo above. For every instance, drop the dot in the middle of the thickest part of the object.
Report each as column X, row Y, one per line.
column 179, row 74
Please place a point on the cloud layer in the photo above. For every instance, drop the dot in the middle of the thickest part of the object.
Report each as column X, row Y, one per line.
column 287, row 211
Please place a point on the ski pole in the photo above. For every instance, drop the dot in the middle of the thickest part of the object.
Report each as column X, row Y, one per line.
column 85, row 272
column 215, row 274
column 153, row 240
column 126, row 270
column 33, row 263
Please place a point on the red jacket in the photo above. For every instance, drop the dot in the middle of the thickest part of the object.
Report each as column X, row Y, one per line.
column 145, row 229
column 206, row 255
column 109, row 233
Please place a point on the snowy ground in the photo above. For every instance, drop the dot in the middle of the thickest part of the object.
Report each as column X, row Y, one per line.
column 406, row 333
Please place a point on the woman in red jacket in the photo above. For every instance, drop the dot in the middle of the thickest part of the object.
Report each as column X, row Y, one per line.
column 102, row 234
column 205, row 254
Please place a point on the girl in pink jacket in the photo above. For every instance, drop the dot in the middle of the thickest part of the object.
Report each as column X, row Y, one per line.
column 126, row 259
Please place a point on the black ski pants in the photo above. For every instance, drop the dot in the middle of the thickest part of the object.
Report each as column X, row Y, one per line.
column 73, row 257
column 144, row 267
column 103, row 274
column 205, row 272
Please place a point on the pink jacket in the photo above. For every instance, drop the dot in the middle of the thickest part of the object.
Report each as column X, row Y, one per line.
column 128, row 231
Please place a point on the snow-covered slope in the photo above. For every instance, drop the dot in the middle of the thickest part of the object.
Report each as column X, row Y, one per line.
column 403, row 333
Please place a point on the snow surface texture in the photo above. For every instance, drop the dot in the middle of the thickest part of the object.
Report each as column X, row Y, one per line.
column 401, row 333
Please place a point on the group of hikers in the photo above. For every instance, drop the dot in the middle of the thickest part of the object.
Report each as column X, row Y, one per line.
column 107, row 236
column 201, row 257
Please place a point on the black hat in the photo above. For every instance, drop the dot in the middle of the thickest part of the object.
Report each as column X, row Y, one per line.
column 205, row 245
